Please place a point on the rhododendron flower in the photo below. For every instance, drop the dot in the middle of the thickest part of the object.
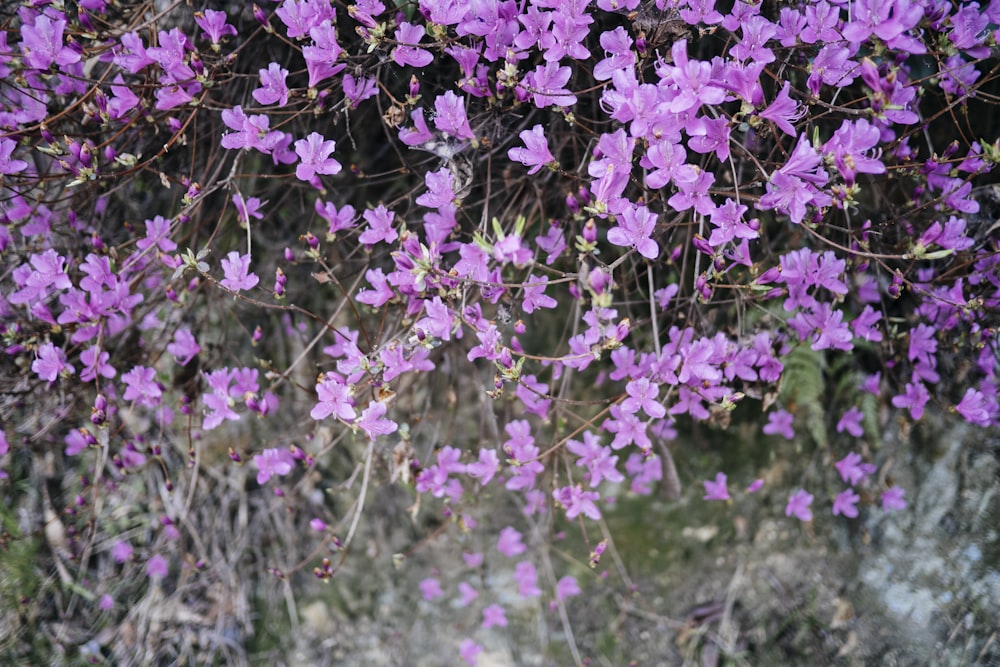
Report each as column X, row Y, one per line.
column 141, row 386
column 274, row 461
column 577, row 502
column 716, row 490
column 975, row 408
column 406, row 52
column 526, row 577
column 494, row 615
column 157, row 567
column 50, row 363
column 469, row 651
column 314, row 158
column 779, row 422
column 184, row 346
column 121, row 551
column 892, row 499
column 43, row 46
column 509, row 543
column 535, row 153
column 236, row 268
column 373, row 421
column 334, row 399
column 798, row 506
column 214, row 26
column 273, row 88
column 430, row 588
column 914, row 399
column 10, row 166
column 450, row 116
column 852, row 470
column 636, row 225
column 845, row 503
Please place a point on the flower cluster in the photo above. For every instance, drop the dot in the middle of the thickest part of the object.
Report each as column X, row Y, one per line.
column 588, row 230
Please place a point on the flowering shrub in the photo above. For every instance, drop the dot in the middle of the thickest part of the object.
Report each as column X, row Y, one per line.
column 347, row 235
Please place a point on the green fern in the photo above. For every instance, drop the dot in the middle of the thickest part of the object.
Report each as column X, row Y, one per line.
column 803, row 389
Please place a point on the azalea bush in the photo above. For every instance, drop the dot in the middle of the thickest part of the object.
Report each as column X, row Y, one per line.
column 487, row 260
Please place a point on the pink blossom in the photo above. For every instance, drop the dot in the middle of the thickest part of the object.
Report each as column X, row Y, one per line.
column 845, row 503
column 157, row 567
column 494, row 615
column 274, row 461
column 716, row 490
column 892, row 499
column 798, row 505
column 510, row 544
column 430, row 588
column 238, row 276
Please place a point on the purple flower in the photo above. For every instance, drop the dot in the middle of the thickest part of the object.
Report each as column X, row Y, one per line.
column 716, row 490
column 42, row 44
column 535, row 153
column 755, row 485
column 440, row 189
column 545, row 85
column 851, row 422
column 567, row 587
column 184, row 347
column 466, row 594
column 321, row 56
column 469, row 651
column 892, row 499
column 779, row 422
column 430, row 588
column 373, row 423
column 798, row 505
column 975, row 408
column 121, row 551
column 271, row 462
column 617, row 47
column 50, row 362
column 636, row 225
column 380, row 226
column 106, row 602
column 334, row 399
column 450, row 116
column 248, row 208
column 314, row 158
column 272, row 86
column 407, row 53
column 642, row 395
column 509, row 543
column 358, row 90
column 852, row 470
column 157, row 567
column 914, row 399
column 577, row 502
column 845, row 503
column 526, row 577
column 141, row 386
column 214, row 25
column 237, row 271
column 783, row 111
column 486, row 467
column 494, row 615
column 95, row 362
column 381, row 293
column 9, row 166
column 534, row 294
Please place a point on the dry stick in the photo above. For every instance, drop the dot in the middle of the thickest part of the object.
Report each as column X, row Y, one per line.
column 361, row 497
column 563, row 616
